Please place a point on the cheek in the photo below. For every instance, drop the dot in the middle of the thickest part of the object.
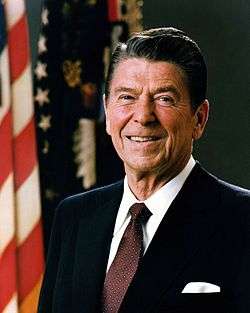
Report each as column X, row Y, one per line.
column 117, row 119
column 172, row 123
column 179, row 129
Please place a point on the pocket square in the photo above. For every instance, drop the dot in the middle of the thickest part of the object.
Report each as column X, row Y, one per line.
column 200, row 287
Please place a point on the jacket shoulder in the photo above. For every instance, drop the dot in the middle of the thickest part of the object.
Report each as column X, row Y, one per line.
column 235, row 196
column 91, row 199
column 230, row 194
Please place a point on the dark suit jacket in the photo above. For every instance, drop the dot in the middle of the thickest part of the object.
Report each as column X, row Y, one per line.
column 204, row 237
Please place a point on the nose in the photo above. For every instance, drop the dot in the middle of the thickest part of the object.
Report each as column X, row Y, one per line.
column 144, row 112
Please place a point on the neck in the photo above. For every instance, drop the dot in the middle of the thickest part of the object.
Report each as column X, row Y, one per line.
column 144, row 187
column 144, row 184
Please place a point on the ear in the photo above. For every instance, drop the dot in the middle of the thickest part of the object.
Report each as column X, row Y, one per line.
column 201, row 117
column 106, row 114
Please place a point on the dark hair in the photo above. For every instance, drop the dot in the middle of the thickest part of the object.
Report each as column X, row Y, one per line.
column 166, row 44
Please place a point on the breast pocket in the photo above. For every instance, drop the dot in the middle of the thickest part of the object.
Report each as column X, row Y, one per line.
column 194, row 303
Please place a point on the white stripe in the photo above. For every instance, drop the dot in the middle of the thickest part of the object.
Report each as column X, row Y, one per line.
column 28, row 206
column 22, row 101
column 7, row 215
column 5, row 83
column 11, row 307
column 14, row 9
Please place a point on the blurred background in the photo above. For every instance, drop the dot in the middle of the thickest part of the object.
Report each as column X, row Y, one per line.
column 52, row 128
column 222, row 30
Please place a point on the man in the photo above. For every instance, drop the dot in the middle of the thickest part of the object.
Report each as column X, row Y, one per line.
column 193, row 251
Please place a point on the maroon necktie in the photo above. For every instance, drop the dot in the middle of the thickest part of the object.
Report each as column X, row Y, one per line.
column 126, row 261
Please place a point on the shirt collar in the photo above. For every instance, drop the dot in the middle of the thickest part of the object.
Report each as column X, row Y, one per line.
column 159, row 202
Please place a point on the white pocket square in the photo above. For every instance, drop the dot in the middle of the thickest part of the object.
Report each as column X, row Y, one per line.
column 200, row 287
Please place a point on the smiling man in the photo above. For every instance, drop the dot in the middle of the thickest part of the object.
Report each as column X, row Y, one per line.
column 151, row 121
column 171, row 237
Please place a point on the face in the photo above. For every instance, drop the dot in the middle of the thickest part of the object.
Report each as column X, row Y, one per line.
column 150, row 119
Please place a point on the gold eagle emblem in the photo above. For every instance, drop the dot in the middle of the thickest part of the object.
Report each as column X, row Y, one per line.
column 72, row 73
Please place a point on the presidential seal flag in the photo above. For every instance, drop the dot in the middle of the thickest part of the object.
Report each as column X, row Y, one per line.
column 21, row 245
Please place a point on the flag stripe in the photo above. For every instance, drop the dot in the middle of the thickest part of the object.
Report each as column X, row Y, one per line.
column 15, row 9
column 28, row 210
column 7, row 274
column 31, row 300
column 29, row 274
column 25, row 154
column 11, row 307
column 7, row 229
column 19, row 48
column 5, row 141
column 5, row 83
column 113, row 10
column 22, row 98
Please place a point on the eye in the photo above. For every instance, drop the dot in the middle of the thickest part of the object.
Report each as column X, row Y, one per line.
column 125, row 98
column 165, row 100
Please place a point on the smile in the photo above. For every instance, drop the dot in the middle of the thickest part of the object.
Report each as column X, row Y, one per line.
column 142, row 139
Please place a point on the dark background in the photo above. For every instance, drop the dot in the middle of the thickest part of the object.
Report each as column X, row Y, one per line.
column 222, row 30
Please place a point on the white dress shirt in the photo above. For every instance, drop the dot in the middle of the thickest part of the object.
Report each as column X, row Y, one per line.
column 158, row 204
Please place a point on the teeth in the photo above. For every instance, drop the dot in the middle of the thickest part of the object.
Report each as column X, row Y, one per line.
column 142, row 139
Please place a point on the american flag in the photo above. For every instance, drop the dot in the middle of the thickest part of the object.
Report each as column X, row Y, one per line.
column 21, row 245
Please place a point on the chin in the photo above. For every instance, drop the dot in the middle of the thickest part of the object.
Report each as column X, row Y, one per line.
column 143, row 167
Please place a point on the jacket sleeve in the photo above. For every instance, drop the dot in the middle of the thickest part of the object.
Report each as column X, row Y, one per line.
column 243, row 303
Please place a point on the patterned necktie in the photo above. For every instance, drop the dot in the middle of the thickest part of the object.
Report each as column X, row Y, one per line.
column 126, row 261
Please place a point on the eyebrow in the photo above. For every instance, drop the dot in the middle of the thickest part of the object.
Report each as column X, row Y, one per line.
column 157, row 90
column 124, row 89
column 168, row 89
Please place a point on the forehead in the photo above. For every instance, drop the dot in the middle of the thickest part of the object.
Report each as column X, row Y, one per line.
column 140, row 71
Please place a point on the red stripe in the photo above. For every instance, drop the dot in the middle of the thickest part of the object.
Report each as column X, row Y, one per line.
column 30, row 262
column 113, row 12
column 6, row 148
column 7, row 274
column 24, row 153
column 18, row 47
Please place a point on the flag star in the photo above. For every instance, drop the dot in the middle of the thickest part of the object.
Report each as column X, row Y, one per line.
column 45, row 14
column 42, row 44
column 42, row 96
column 44, row 123
column 40, row 70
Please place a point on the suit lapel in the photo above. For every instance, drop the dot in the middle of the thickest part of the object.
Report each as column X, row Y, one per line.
column 92, row 250
column 188, row 223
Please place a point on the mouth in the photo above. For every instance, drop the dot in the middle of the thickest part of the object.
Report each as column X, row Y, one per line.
column 143, row 138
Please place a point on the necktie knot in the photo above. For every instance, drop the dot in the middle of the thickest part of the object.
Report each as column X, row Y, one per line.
column 139, row 212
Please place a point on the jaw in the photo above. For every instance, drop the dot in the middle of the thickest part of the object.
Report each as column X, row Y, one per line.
column 155, row 158
column 145, row 179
